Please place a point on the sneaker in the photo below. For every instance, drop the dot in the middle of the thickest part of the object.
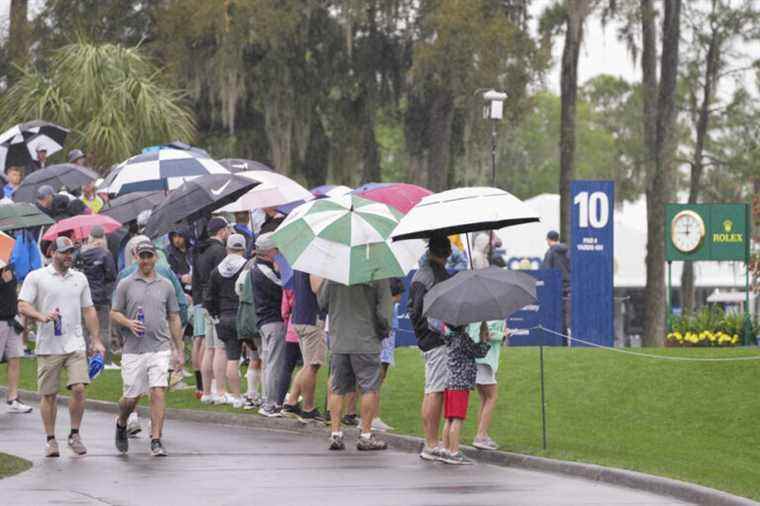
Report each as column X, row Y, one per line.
column 157, row 449
column 198, row 394
column 122, row 438
column 336, row 442
column 248, row 404
column 380, row 426
column 370, row 444
column 312, row 416
column 485, row 443
column 351, row 420
column 16, row 406
column 133, row 425
column 187, row 374
column 430, row 454
column 76, row 445
column 51, row 448
column 209, row 399
column 111, row 367
column 290, row 411
column 238, row 403
column 457, row 458
column 271, row 412
column 225, row 398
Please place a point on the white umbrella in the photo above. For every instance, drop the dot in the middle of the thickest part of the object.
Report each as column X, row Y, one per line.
column 463, row 210
column 274, row 190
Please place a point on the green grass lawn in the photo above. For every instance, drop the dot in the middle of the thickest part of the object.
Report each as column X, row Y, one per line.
column 698, row 422
column 10, row 465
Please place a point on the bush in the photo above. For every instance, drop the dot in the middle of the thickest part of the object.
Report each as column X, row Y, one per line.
column 711, row 326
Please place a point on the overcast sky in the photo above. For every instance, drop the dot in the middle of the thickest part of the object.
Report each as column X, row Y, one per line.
column 601, row 52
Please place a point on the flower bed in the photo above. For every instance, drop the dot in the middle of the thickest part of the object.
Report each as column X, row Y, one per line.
column 708, row 327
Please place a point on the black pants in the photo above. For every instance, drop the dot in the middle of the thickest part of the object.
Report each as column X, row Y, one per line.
column 292, row 359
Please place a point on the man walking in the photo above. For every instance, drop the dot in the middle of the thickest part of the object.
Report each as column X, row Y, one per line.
column 359, row 319
column 222, row 304
column 430, row 341
column 11, row 342
column 267, row 296
column 56, row 297
column 311, row 339
column 146, row 309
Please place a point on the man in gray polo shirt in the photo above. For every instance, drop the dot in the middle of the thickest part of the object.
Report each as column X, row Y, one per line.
column 146, row 310
column 56, row 297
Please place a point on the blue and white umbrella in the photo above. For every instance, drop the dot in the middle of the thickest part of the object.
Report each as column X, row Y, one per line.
column 165, row 169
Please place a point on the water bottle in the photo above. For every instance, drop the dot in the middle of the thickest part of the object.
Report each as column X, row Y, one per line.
column 58, row 323
column 141, row 319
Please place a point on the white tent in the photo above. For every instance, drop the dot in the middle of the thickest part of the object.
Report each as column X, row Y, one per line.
column 526, row 245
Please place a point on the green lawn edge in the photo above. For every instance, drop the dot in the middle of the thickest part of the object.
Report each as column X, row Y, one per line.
column 11, row 465
column 692, row 421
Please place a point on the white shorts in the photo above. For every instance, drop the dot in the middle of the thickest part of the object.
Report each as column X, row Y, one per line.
column 143, row 371
column 436, row 370
column 485, row 375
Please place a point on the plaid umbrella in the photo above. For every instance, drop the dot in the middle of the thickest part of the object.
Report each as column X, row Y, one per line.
column 65, row 174
column 240, row 165
column 22, row 215
column 346, row 239
column 18, row 145
column 165, row 169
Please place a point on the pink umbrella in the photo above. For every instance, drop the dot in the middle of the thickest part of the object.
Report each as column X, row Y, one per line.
column 80, row 226
column 402, row 196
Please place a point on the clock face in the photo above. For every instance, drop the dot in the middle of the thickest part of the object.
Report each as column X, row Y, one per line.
column 687, row 231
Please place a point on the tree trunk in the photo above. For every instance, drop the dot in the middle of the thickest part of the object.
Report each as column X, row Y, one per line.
column 576, row 14
column 18, row 38
column 711, row 78
column 439, row 149
column 659, row 183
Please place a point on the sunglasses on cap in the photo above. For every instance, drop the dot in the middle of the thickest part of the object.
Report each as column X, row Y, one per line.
column 146, row 255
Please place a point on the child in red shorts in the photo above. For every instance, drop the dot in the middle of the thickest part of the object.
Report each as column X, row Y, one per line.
column 462, row 351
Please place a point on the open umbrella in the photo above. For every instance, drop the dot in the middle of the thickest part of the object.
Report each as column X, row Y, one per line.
column 126, row 208
column 80, row 226
column 236, row 165
column 274, row 190
column 196, row 198
column 19, row 144
column 346, row 239
column 463, row 210
column 330, row 190
column 165, row 169
column 64, row 174
column 22, row 215
column 6, row 249
column 402, row 196
column 480, row 295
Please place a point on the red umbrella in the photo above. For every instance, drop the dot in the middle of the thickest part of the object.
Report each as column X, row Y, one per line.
column 80, row 226
column 402, row 196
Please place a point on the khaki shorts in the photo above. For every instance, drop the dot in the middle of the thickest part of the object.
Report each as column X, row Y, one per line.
column 350, row 371
column 212, row 338
column 143, row 371
column 436, row 370
column 49, row 369
column 311, row 339
column 11, row 344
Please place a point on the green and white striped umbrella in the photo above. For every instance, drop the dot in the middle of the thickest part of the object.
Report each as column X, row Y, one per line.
column 346, row 239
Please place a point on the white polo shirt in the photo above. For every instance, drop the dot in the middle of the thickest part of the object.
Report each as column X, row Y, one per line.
column 47, row 289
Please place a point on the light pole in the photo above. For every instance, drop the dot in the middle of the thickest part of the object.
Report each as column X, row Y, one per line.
column 493, row 110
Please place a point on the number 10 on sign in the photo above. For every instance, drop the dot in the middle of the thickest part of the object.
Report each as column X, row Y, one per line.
column 593, row 209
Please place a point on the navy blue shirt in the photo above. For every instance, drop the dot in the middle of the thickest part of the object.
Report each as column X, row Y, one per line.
column 306, row 309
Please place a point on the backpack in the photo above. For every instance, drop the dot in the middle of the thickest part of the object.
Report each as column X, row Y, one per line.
column 246, row 313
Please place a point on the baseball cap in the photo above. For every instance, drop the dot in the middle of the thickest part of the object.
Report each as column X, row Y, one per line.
column 97, row 232
column 553, row 235
column 45, row 191
column 236, row 242
column 215, row 224
column 64, row 244
column 75, row 154
column 145, row 247
column 264, row 242
column 41, row 148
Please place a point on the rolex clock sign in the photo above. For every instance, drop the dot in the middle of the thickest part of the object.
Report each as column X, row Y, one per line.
column 707, row 232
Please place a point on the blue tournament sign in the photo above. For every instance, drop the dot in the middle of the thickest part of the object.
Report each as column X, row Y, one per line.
column 591, row 260
column 546, row 312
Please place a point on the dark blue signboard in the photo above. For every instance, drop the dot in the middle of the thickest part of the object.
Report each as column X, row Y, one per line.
column 591, row 259
column 546, row 312
column 405, row 334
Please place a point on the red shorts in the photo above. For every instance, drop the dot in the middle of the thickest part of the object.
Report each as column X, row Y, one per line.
column 455, row 403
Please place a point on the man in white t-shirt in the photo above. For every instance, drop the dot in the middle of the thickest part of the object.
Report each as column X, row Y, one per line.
column 56, row 297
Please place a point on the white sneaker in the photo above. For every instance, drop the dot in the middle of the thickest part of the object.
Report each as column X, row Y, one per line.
column 224, row 399
column 238, row 403
column 187, row 374
column 16, row 406
column 133, row 424
column 209, row 399
column 380, row 426
column 111, row 367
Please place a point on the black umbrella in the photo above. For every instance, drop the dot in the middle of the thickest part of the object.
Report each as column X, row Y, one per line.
column 19, row 144
column 22, row 215
column 196, row 198
column 126, row 208
column 480, row 295
column 241, row 165
column 65, row 174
